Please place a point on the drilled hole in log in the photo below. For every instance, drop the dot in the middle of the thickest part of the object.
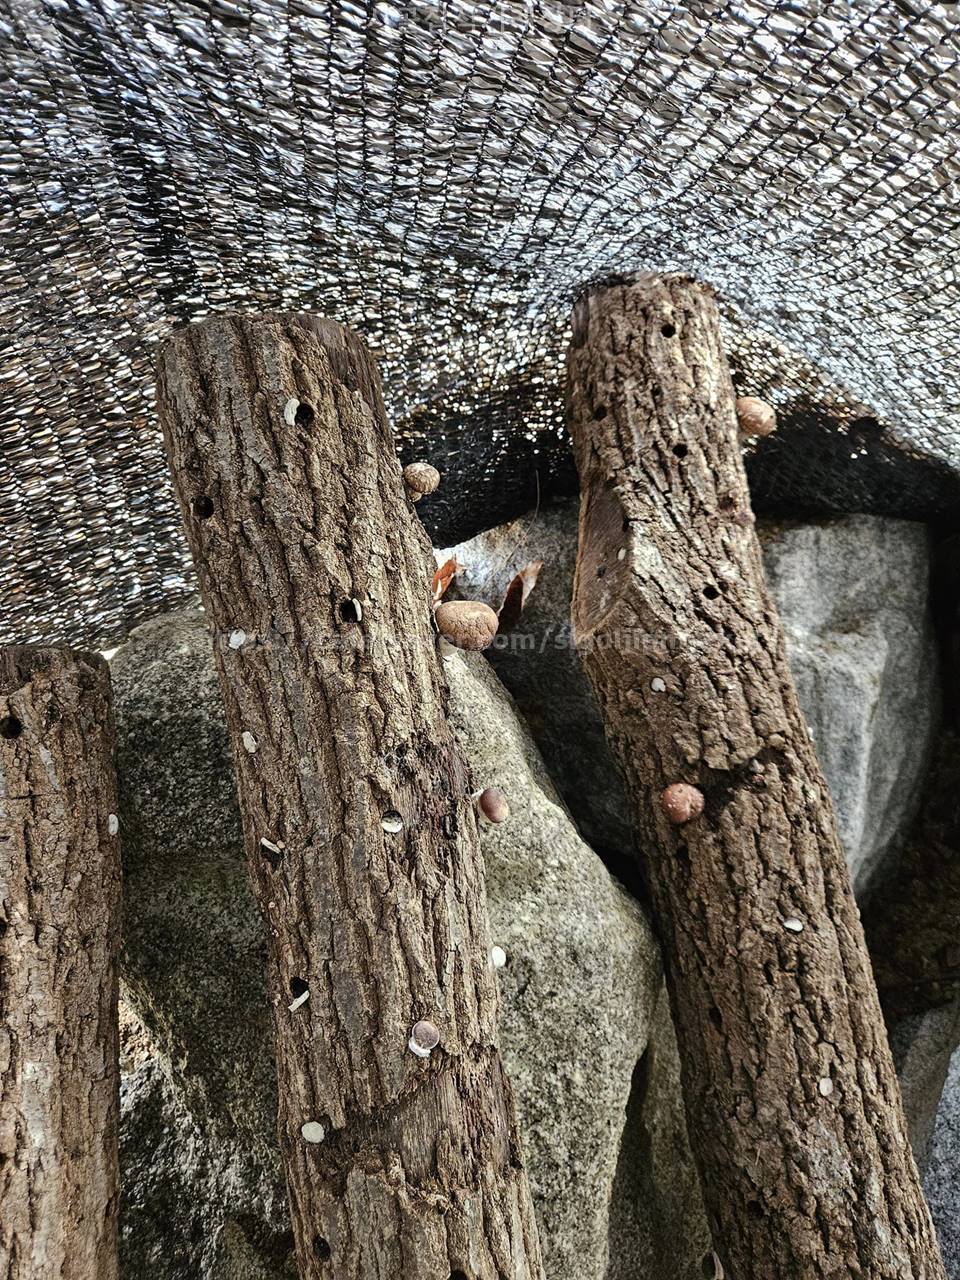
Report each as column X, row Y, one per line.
column 667, row 330
column 865, row 424
column 680, row 450
column 273, row 855
column 458, row 1275
column 600, row 413
column 321, row 1248
column 711, row 593
column 349, row 612
column 304, row 415
column 10, row 727
column 203, row 507
column 297, row 987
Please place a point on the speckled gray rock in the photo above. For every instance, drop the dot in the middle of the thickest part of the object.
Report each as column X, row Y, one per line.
column 195, row 1201
column 922, row 1047
column 658, row 1225
column 942, row 1183
column 198, row 1145
column 579, row 987
column 198, row 1107
column 852, row 595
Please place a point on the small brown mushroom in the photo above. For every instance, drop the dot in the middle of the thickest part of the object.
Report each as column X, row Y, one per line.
column 755, row 417
column 420, row 479
column 468, row 624
column 681, row 802
column 493, row 806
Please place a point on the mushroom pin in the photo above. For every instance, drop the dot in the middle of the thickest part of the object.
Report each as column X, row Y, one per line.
column 468, row 624
column 492, row 804
column 421, row 479
column 681, row 802
column 755, row 417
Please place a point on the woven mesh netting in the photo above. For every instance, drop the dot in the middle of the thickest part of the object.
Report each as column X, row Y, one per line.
column 445, row 176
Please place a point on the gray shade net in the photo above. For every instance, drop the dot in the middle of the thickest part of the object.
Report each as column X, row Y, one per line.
column 445, row 177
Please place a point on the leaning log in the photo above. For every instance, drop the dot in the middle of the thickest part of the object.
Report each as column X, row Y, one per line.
column 792, row 1102
column 396, row 1121
column 59, row 942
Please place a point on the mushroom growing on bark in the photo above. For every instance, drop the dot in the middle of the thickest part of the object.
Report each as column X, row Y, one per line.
column 493, row 806
column 468, row 624
column 424, row 1038
column 421, row 479
column 755, row 417
column 681, row 802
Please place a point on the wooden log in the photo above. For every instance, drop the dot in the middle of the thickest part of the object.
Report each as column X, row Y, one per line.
column 401, row 1160
column 793, row 1106
column 59, row 942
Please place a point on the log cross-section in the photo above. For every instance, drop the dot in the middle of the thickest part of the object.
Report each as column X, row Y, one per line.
column 59, row 941
column 401, row 1160
column 793, row 1106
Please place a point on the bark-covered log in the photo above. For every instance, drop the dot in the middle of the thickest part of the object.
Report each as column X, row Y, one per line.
column 360, row 830
column 793, row 1105
column 59, row 940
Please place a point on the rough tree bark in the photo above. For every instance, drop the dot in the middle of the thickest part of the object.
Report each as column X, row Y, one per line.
column 793, row 1106
column 59, row 940
column 361, row 834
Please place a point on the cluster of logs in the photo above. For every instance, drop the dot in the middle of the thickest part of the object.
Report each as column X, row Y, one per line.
column 396, row 1122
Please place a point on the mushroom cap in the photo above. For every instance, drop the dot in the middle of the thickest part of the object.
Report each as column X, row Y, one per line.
column 425, row 1035
column 421, row 477
column 468, row 624
column 755, row 417
column 681, row 802
column 493, row 804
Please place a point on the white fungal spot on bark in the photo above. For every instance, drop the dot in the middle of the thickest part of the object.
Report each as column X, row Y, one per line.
column 622, row 553
column 658, row 685
column 237, row 639
column 113, row 824
column 391, row 822
column 249, row 741
column 826, row 1087
column 294, row 1005
column 793, row 924
column 290, row 411
column 498, row 957
column 313, row 1131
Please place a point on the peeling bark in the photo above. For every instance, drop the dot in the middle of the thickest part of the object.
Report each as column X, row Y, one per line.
column 59, row 941
column 792, row 1102
column 360, row 831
